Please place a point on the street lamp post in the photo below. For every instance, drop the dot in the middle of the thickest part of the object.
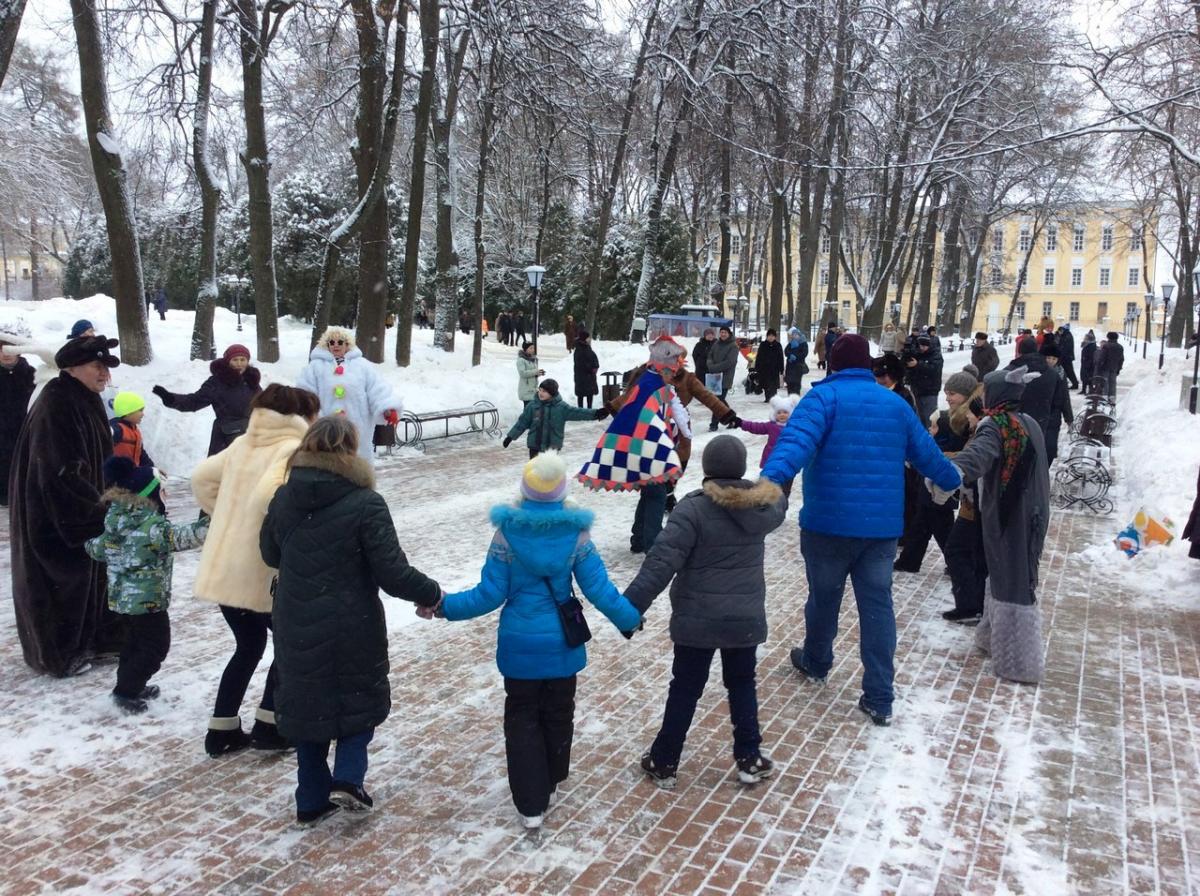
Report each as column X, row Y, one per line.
column 1167, row 289
column 1149, row 322
column 535, row 273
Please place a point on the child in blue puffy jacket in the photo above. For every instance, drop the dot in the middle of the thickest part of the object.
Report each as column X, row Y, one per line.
column 538, row 546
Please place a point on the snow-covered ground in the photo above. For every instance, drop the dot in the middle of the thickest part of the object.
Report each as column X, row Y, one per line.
column 972, row 773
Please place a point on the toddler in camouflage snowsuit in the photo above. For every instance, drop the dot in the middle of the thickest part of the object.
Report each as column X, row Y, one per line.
column 136, row 545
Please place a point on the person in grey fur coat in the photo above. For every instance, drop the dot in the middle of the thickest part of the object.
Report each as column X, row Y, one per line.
column 1007, row 458
column 713, row 547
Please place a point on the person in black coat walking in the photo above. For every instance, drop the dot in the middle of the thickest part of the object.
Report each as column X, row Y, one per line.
column 1109, row 360
column 1060, row 402
column 230, row 389
column 700, row 352
column 331, row 536
column 1087, row 360
column 16, row 385
column 768, row 364
column 1066, row 354
column 587, row 365
column 1039, row 393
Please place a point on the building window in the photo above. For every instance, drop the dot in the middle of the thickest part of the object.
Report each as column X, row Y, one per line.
column 825, row 243
column 710, row 278
column 998, row 239
column 1131, row 309
column 735, row 244
column 1021, row 278
column 1051, row 237
column 1047, row 309
column 1020, row 311
column 1078, row 242
column 1048, row 277
column 1106, row 238
column 735, row 276
column 997, row 276
column 1135, row 239
column 846, row 281
column 823, row 278
column 1102, row 311
column 1135, row 277
column 1077, row 276
column 1105, row 278
column 1074, row 311
column 846, row 308
column 1024, row 241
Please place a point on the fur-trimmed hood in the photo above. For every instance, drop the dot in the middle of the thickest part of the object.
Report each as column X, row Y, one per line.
column 540, row 516
column 227, row 376
column 543, row 536
column 348, row 466
column 750, row 505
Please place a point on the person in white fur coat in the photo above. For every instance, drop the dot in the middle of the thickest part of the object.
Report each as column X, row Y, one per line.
column 346, row 383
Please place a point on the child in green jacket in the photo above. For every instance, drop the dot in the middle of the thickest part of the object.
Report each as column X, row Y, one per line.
column 136, row 545
column 546, row 420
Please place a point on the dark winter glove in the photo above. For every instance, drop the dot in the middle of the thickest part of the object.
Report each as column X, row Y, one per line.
column 160, row 392
column 629, row 634
column 732, row 420
column 602, row 413
column 507, row 441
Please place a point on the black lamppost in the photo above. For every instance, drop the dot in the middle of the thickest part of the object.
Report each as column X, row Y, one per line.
column 1192, row 396
column 238, row 282
column 1167, row 289
column 1149, row 320
column 535, row 273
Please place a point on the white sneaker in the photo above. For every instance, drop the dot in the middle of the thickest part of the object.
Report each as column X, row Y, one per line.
column 531, row 822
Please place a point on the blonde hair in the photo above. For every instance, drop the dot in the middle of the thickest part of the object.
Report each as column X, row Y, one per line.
column 958, row 416
column 329, row 435
column 337, row 333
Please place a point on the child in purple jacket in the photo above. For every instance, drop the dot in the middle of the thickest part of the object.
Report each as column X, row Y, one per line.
column 781, row 408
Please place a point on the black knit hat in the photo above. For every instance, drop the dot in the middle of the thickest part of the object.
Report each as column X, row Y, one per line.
column 86, row 349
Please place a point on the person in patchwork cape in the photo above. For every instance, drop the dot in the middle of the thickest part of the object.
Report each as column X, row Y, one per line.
column 647, row 444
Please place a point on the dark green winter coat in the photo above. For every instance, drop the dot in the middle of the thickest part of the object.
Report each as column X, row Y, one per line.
column 331, row 537
column 546, row 422
column 137, row 544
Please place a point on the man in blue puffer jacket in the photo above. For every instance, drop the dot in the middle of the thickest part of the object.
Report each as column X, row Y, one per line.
column 851, row 438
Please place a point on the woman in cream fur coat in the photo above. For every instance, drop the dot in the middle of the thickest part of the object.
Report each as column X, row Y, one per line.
column 348, row 385
column 235, row 486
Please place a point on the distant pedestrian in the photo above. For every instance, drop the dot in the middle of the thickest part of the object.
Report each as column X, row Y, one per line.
column 539, row 547
column 925, row 378
column 1060, row 401
column 16, row 387
column 503, row 328
column 1066, row 354
column 889, row 340
column 160, row 303
column 528, row 373
column 722, row 361
column 769, row 364
column 983, row 355
column 570, row 333
column 587, row 368
column 1109, row 361
column 519, row 328
column 713, row 549
column 1087, row 360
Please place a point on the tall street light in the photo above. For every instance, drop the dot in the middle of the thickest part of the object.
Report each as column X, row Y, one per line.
column 535, row 273
column 1167, row 289
column 1192, row 396
column 238, row 282
column 1149, row 318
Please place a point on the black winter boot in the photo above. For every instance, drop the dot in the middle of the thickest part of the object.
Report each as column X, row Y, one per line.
column 225, row 736
column 264, row 735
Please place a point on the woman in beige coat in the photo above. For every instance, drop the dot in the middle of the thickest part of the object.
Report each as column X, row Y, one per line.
column 235, row 486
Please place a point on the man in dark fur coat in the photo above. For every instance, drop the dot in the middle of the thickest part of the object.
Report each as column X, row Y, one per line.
column 55, row 485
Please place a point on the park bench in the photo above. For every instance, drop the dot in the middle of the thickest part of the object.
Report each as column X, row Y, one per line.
column 411, row 431
column 1084, row 476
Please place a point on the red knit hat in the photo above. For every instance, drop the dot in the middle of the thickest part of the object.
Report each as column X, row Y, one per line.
column 850, row 351
column 236, row 350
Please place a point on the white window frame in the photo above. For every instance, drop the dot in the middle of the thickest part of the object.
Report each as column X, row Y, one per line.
column 1135, row 237
column 1024, row 239
column 998, row 239
column 1048, row 309
column 825, row 243
column 823, row 276
column 1048, row 276
column 1079, row 238
column 997, row 279
column 735, row 244
column 1105, row 278
column 1134, row 277
column 1073, row 313
column 1051, row 237
column 1019, row 310
column 1106, row 238
column 1076, row 277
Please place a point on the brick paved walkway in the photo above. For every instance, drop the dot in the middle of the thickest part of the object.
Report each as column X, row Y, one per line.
column 1090, row 783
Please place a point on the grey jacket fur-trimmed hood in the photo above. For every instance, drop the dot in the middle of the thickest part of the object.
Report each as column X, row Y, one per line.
column 713, row 547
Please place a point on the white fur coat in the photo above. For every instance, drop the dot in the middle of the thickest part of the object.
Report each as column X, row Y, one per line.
column 364, row 396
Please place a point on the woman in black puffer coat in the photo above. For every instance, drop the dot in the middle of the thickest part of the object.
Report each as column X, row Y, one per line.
column 587, row 365
column 229, row 390
column 331, row 537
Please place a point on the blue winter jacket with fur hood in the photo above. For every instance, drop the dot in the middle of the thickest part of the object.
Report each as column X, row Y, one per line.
column 533, row 555
column 851, row 438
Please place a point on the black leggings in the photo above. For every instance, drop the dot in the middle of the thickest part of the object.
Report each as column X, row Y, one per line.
column 250, row 633
column 583, row 400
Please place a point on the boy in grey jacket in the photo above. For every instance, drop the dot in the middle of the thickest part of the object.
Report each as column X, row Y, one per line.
column 712, row 546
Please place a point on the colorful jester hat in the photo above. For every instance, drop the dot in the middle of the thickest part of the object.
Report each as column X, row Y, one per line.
column 637, row 449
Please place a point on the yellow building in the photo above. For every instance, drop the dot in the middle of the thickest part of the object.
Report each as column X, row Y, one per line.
column 1088, row 267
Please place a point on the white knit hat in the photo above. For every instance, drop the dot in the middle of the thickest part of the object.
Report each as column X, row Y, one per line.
column 784, row 403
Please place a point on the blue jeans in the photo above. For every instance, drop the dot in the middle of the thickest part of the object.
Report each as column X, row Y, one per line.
column 312, row 768
column 828, row 560
column 689, row 674
column 648, row 518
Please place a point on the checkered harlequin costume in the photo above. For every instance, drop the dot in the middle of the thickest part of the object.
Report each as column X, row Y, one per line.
column 638, row 448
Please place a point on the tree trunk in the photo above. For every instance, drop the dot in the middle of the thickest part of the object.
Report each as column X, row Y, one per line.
column 10, row 23
column 928, row 244
column 430, row 17
column 787, row 258
column 374, row 238
column 256, row 161
column 486, row 124
column 666, row 171
column 112, row 185
column 614, row 174
column 35, row 277
column 210, row 192
column 948, row 284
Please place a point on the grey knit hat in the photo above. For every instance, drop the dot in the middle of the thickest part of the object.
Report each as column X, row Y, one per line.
column 962, row 383
column 724, row 458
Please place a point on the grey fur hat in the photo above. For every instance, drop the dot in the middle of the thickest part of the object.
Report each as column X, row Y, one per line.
column 1001, row 386
column 961, row 383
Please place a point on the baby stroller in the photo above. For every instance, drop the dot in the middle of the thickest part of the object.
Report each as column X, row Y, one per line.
column 751, row 383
